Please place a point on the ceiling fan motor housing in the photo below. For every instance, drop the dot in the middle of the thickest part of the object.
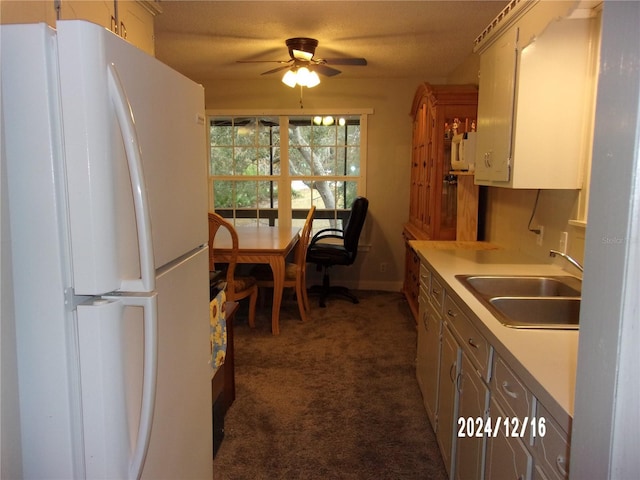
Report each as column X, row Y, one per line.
column 303, row 44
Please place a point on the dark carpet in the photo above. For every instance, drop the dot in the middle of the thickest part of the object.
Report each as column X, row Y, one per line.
column 333, row 398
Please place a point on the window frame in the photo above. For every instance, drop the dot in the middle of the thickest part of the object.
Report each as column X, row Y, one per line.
column 285, row 213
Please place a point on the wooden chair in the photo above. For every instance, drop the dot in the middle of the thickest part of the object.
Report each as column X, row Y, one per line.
column 237, row 287
column 295, row 273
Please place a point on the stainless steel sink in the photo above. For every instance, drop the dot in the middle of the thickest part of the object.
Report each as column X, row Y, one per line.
column 518, row 286
column 529, row 301
column 540, row 312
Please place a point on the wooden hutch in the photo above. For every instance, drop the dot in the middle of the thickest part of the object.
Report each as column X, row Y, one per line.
column 443, row 204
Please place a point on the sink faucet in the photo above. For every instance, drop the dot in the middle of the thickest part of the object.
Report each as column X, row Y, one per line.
column 572, row 261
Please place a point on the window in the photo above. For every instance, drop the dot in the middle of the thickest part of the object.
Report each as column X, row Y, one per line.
column 271, row 169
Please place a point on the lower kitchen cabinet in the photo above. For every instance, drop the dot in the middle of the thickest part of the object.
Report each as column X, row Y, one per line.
column 428, row 356
column 473, row 396
column 462, row 378
column 551, row 450
column 507, row 457
column 450, row 353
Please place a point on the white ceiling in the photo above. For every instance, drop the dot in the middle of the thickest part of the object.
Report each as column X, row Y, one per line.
column 400, row 39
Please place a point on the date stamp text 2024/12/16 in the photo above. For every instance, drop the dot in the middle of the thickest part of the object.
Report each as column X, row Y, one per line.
column 509, row 426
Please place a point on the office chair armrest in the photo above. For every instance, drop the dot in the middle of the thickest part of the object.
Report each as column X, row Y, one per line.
column 325, row 233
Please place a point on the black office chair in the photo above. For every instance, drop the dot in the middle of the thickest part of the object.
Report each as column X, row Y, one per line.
column 325, row 254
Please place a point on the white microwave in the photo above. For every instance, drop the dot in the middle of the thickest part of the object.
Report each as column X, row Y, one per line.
column 463, row 151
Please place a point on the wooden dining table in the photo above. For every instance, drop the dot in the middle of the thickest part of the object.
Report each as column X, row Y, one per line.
column 262, row 244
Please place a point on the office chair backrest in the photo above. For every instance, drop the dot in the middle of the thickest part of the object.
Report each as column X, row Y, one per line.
column 355, row 222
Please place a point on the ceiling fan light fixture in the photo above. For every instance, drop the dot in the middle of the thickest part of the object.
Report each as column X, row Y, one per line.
column 290, row 79
column 312, row 79
column 301, row 76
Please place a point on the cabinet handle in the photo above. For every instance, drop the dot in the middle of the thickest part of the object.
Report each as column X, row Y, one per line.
column 451, row 313
column 487, row 159
column 435, row 291
column 459, row 383
column 451, row 372
column 425, row 321
column 123, row 30
column 505, row 387
column 561, row 463
column 473, row 343
column 114, row 24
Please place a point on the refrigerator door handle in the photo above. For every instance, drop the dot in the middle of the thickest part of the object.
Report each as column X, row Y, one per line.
column 124, row 114
column 149, row 303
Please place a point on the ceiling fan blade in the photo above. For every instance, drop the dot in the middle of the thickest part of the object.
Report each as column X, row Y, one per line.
column 263, row 61
column 277, row 69
column 326, row 71
column 347, row 61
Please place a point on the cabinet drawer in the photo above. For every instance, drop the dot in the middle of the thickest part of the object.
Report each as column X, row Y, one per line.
column 423, row 298
column 425, row 278
column 551, row 450
column 436, row 293
column 473, row 343
column 507, row 387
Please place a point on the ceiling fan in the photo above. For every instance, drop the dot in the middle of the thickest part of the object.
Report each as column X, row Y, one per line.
column 302, row 62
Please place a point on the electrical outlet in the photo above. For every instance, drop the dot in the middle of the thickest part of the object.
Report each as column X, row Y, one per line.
column 564, row 241
column 540, row 236
column 383, row 267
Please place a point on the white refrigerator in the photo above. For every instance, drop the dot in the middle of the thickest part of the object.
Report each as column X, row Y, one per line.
column 106, row 173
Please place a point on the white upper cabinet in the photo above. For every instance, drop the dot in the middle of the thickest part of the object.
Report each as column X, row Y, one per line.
column 100, row 12
column 131, row 19
column 538, row 68
column 135, row 23
column 495, row 110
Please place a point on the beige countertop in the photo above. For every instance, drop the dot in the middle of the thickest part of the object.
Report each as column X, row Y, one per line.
column 545, row 360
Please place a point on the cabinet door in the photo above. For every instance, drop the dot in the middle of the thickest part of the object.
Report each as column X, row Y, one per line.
column 495, row 109
column 426, row 165
column 447, row 396
column 411, row 284
column 472, row 403
column 416, row 154
column 552, row 450
column 101, row 12
column 428, row 362
column 28, row 12
column 506, row 457
column 554, row 103
column 431, row 173
column 136, row 25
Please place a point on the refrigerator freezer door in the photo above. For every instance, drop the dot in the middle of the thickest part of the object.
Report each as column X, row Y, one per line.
column 166, row 111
